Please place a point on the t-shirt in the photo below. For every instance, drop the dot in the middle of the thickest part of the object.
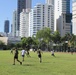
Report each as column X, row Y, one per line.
column 52, row 52
column 16, row 53
column 39, row 52
column 23, row 52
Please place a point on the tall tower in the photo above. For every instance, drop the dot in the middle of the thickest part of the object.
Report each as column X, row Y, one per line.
column 42, row 16
column 74, row 16
column 14, row 24
column 6, row 26
column 24, row 24
column 62, row 17
column 50, row 1
column 22, row 4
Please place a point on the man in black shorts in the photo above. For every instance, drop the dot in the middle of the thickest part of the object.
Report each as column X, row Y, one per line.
column 16, row 57
column 39, row 55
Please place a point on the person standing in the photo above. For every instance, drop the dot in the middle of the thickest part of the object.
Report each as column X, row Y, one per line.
column 23, row 54
column 16, row 56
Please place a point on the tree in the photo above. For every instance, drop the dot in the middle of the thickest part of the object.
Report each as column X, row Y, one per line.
column 27, row 42
column 23, row 42
column 56, row 40
column 2, row 45
column 11, row 45
column 73, row 40
column 18, row 45
column 68, row 41
column 56, row 37
column 44, row 34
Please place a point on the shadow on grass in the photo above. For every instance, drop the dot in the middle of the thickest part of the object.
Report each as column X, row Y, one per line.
column 28, row 65
column 46, row 62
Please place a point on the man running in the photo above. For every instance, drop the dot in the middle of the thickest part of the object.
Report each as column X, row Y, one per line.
column 39, row 55
column 16, row 57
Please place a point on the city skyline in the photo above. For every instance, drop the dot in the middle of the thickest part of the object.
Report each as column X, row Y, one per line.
column 7, row 8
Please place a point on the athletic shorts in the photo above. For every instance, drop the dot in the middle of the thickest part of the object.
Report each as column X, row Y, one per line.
column 39, row 56
column 23, row 55
column 15, row 57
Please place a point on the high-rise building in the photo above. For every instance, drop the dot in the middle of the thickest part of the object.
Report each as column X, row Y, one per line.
column 43, row 16
column 24, row 24
column 74, row 17
column 6, row 26
column 22, row 4
column 50, row 2
column 62, row 16
column 31, row 23
column 14, row 24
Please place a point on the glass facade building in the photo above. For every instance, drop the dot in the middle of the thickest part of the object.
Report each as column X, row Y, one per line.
column 66, row 6
column 6, row 26
column 74, row 0
column 22, row 4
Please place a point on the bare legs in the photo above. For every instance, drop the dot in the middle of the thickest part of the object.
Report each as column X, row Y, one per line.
column 18, row 61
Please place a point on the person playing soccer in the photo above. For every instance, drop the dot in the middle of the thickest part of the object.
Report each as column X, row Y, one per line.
column 23, row 54
column 11, row 51
column 52, row 53
column 16, row 57
column 39, row 55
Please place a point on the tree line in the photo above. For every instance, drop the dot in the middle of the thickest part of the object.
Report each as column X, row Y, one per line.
column 46, row 40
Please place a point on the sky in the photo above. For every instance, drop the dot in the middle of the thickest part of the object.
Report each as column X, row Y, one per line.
column 6, row 10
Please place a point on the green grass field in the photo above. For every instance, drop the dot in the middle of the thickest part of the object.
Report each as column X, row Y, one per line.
column 62, row 64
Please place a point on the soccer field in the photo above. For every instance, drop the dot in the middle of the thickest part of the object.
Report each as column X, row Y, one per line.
column 62, row 64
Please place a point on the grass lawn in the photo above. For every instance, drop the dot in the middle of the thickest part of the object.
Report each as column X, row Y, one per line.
column 62, row 64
